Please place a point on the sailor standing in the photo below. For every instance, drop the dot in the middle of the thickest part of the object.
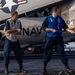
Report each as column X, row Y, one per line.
column 12, row 28
column 53, row 25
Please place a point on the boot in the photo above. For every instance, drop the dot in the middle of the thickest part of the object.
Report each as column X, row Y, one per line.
column 22, row 69
column 44, row 69
column 6, row 71
column 67, row 68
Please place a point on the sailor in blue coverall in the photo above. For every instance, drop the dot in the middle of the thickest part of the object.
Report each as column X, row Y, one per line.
column 53, row 25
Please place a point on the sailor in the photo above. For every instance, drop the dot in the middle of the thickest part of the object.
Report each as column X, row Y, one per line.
column 12, row 29
column 53, row 25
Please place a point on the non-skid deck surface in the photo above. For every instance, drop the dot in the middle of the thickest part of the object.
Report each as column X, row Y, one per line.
column 52, row 73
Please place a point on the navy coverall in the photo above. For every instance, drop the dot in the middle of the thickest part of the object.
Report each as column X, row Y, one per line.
column 54, row 39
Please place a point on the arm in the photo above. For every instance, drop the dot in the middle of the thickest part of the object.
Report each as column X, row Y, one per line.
column 70, row 31
column 66, row 28
column 45, row 26
column 11, row 31
column 7, row 28
column 19, row 30
column 50, row 30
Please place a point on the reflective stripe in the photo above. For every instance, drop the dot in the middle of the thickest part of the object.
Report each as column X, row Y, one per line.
column 55, row 23
column 13, row 26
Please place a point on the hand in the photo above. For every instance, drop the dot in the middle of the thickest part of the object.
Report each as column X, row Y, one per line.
column 18, row 30
column 73, row 32
column 70, row 31
column 54, row 31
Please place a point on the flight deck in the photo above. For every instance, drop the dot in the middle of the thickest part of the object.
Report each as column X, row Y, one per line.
column 33, row 65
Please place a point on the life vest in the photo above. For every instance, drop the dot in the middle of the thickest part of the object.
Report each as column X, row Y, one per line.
column 55, row 23
column 11, row 36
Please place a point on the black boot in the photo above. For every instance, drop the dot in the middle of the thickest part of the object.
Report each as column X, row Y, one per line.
column 67, row 68
column 6, row 71
column 44, row 69
column 22, row 69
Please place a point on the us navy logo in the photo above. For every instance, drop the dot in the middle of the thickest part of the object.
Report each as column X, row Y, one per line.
column 9, row 6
